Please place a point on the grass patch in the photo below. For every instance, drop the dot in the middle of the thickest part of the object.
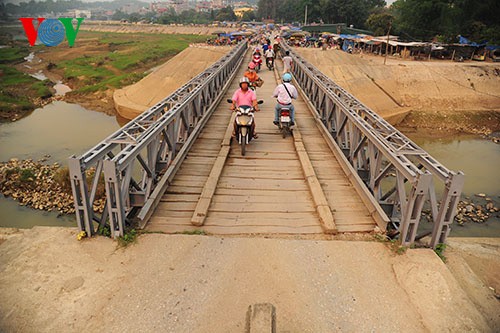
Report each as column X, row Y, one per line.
column 104, row 231
column 123, row 59
column 128, row 238
column 27, row 175
column 13, row 55
column 440, row 251
column 393, row 244
column 18, row 90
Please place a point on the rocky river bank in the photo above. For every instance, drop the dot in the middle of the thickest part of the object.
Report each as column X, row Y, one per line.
column 42, row 186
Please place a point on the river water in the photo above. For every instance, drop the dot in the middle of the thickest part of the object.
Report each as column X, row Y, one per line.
column 479, row 160
column 61, row 129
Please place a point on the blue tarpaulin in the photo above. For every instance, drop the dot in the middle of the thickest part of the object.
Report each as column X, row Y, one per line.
column 464, row 41
column 346, row 44
column 344, row 36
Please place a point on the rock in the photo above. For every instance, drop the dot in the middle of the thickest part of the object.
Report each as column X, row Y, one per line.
column 469, row 208
column 490, row 205
column 481, row 195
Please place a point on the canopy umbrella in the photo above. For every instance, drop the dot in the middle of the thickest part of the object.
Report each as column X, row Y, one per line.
column 285, row 28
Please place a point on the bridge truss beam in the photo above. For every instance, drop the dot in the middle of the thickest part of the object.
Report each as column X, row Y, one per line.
column 139, row 160
column 399, row 174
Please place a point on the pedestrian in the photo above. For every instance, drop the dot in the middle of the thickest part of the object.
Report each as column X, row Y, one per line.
column 287, row 63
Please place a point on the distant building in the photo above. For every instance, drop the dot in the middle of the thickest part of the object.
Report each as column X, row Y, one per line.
column 240, row 11
column 83, row 13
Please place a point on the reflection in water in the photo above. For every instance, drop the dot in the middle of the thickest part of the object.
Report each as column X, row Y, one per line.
column 59, row 129
column 14, row 216
column 478, row 158
column 121, row 120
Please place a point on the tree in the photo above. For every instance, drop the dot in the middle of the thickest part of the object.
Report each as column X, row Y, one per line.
column 425, row 19
column 119, row 15
column 328, row 11
column 226, row 14
column 248, row 16
column 379, row 21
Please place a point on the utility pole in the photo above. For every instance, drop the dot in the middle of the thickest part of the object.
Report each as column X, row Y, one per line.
column 305, row 17
column 387, row 45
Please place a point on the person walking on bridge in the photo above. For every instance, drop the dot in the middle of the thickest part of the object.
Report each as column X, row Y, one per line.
column 285, row 92
column 287, row 63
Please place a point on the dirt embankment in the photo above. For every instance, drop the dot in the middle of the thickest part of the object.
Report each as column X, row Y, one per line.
column 178, row 283
column 432, row 94
column 135, row 99
column 104, row 26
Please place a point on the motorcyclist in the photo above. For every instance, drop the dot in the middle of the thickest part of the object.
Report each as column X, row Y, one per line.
column 257, row 58
column 285, row 92
column 270, row 57
column 245, row 96
column 251, row 74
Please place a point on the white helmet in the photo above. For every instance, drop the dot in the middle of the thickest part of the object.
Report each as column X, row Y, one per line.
column 244, row 80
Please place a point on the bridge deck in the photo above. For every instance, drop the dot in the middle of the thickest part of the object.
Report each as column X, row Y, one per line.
column 266, row 190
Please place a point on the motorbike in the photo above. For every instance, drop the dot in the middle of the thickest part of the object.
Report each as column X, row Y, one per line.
column 270, row 63
column 257, row 61
column 244, row 120
column 284, row 122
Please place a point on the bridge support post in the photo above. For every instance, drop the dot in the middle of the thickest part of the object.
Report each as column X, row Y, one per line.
column 115, row 199
column 412, row 209
column 83, row 206
column 447, row 208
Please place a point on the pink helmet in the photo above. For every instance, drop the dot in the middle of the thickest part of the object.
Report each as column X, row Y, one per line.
column 251, row 65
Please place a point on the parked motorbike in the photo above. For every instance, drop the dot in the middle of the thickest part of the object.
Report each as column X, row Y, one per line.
column 284, row 122
column 244, row 120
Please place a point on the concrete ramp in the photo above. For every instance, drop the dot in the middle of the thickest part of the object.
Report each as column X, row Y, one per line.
column 135, row 99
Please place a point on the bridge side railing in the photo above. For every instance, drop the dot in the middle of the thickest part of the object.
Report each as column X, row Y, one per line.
column 139, row 160
column 399, row 174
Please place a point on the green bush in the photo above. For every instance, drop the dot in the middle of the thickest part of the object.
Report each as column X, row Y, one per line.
column 27, row 175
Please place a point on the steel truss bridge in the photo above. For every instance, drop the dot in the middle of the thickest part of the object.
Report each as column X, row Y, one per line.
column 393, row 179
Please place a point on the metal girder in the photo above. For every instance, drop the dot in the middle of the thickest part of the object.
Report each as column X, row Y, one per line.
column 375, row 148
column 135, row 157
